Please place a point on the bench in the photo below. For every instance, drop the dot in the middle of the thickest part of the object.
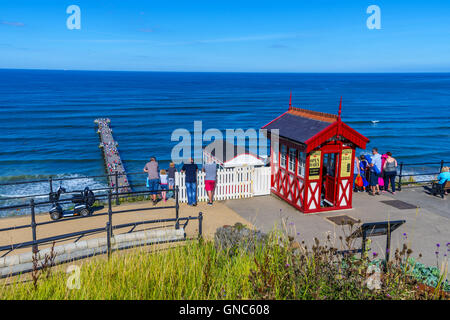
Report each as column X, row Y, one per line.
column 440, row 189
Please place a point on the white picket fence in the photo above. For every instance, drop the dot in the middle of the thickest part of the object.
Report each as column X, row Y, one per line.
column 232, row 183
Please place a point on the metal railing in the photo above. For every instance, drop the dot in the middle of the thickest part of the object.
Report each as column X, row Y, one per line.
column 51, row 180
column 117, row 194
column 35, row 242
column 402, row 175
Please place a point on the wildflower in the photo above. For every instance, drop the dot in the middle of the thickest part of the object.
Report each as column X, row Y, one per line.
column 438, row 245
column 374, row 254
column 287, row 265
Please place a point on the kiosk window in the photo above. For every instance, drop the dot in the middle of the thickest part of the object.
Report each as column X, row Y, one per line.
column 301, row 163
column 292, row 158
column 283, row 156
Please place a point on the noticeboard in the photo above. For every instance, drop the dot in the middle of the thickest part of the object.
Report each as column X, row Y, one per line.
column 346, row 163
column 314, row 165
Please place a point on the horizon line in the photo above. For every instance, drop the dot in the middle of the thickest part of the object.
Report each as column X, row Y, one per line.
column 287, row 72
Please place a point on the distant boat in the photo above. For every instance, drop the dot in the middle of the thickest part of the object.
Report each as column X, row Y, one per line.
column 375, row 121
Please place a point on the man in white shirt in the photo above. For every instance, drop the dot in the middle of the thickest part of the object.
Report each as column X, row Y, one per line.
column 375, row 169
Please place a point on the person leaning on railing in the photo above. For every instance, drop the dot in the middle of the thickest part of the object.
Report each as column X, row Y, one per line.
column 152, row 170
column 390, row 172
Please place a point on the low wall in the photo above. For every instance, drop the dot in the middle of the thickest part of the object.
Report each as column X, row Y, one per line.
column 21, row 263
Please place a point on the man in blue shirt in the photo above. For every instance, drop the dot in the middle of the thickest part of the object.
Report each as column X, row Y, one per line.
column 191, row 181
column 375, row 170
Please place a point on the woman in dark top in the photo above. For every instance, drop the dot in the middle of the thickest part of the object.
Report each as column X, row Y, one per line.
column 390, row 171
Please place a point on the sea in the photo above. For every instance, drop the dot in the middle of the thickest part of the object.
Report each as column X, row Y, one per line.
column 47, row 117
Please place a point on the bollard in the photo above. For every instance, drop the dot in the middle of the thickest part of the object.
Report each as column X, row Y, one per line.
column 200, row 223
column 400, row 177
column 117, row 187
column 33, row 227
column 177, row 207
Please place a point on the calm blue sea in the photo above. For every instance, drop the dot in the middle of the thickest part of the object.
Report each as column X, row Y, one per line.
column 46, row 117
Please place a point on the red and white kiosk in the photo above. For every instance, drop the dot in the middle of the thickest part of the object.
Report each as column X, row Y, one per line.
column 312, row 166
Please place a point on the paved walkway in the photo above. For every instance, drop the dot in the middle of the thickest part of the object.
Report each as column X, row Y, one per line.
column 213, row 218
column 424, row 226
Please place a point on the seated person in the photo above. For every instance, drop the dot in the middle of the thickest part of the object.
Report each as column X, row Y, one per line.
column 444, row 176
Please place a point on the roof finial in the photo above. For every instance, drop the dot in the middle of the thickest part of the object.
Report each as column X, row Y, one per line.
column 340, row 109
column 290, row 101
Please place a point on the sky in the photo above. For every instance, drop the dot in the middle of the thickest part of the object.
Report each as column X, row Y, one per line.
column 226, row 36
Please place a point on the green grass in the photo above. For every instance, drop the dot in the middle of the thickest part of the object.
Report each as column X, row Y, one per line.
column 198, row 270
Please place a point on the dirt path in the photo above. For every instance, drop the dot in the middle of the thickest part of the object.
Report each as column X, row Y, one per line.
column 213, row 218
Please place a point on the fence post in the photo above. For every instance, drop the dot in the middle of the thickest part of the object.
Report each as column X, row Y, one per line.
column 110, row 208
column 108, row 238
column 200, row 224
column 33, row 227
column 177, row 207
column 388, row 247
column 50, row 182
column 363, row 244
column 109, row 224
column 400, row 177
column 117, row 187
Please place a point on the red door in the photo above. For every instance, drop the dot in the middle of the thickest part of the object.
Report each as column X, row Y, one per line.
column 329, row 178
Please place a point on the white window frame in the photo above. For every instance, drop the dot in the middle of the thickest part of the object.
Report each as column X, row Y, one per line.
column 301, row 164
column 283, row 156
column 292, row 151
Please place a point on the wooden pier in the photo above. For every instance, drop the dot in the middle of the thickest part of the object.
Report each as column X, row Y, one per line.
column 111, row 156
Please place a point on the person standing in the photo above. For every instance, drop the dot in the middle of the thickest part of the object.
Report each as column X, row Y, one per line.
column 210, row 170
column 390, row 171
column 363, row 166
column 191, row 181
column 375, row 170
column 164, row 182
column 152, row 170
column 171, row 173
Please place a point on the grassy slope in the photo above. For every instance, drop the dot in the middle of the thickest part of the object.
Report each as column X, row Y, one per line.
column 198, row 270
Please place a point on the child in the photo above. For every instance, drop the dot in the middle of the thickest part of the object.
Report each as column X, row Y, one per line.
column 363, row 164
column 171, row 173
column 164, row 183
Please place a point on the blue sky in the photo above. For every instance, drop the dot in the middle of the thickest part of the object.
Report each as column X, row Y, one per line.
column 219, row 35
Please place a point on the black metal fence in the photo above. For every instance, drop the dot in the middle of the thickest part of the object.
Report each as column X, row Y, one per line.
column 52, row 180
column 101, row 193
column 35, row 242
column 402, row 175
